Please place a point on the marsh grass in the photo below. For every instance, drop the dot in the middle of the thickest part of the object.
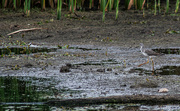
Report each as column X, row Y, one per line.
column 74, row 5
column 59, row 7
column 117, row 9
column 27, row 6
column 159, row 6
column 139, row 4
column 155, row 7
column 14, row 4
column 177, row 6
column 167, row 6
column 103, row 7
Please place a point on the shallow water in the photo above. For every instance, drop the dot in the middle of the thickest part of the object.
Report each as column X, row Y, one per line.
column 102, row 75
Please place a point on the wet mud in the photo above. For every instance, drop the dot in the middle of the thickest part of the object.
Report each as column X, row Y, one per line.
column 94, row 58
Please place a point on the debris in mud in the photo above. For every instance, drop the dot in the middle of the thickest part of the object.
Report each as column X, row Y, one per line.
column 163, row 90
column 109, row 69
column 100, row 70
column 16, row 67
column 65, row 69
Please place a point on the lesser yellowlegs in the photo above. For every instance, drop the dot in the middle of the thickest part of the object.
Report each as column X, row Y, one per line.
column 150, row 53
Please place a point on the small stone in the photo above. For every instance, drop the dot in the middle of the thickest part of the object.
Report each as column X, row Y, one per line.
column 65, row 69
column 163, row 90
column 109, row 69
column 100, row 70
column 28, row 65
column 123, row 85
column 116, row 73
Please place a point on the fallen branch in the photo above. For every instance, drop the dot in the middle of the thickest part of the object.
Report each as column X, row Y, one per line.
column 23, row 30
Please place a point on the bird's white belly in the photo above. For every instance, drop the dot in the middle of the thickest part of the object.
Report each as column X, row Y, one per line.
column 144, row 54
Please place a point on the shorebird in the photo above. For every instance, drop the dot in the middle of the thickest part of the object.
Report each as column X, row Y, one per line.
column 150, row 53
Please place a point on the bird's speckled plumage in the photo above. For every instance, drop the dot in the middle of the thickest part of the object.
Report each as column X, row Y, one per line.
column 148, row 52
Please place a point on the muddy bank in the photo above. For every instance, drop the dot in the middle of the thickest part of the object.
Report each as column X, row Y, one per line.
column 140, row 99
column 129, row 30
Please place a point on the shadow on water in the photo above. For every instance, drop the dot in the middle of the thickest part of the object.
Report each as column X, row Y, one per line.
column 102, row 62
column 165, row 70
column 168, row 50
column 25, row 50
column 169, row 70
column 29, row 50
column 84, row 49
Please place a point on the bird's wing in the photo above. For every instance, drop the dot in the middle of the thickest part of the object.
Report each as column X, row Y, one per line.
column 151, row 53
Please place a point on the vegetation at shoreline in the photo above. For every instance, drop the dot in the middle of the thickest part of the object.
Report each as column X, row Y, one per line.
column 79, row 5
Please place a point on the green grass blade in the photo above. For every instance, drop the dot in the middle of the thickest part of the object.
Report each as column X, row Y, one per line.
column 43, row 4
column 90, row 4
column 75, row 2
column 14, row 4
column 110, row 5
column 72, row 6
column 177, row 6
column 103, row 7
column 167, row 6
column 79, row 4
column 155, row 6
column 59, row 7
column 117, row 8
column 127, row 4
column 140, row 4
column 25, row 6
column 29, row 6
column 3, row 3
column 159, row 6
column 147, row 4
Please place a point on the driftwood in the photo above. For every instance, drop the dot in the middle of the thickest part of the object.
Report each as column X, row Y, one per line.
column 23, row 30
column 137, row 99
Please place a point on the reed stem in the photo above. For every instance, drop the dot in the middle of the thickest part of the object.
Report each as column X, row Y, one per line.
column 117, row 8
column 59, row 7
column 159, row 6
column 103, row 7
column 177, row 6
column 155, row 6
column 167, row 6
column 14, row 4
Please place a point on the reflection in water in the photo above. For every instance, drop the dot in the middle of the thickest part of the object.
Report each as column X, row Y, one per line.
column 169, row 70
column 165, row 70
column 24, row 93
column 25, row 50
column 168, row 50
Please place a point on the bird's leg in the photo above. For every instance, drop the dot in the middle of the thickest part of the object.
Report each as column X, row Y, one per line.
column 144, row 63
column 152, row 64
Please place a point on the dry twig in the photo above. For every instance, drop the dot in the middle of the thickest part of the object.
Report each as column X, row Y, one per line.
column 23, row 30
